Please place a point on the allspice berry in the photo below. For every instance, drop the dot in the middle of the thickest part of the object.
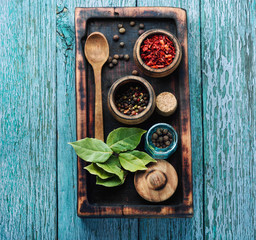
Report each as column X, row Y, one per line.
column 141, row 26
column 121, row 56
column 120, row 25
column 110, row 59
column 140, row 31
column 135, row 72
column 132, row 23
column 126, row 57
column 110, row 65
column 122, row 30
column 114, row 61
column 116, row 38
column 116, row 56
column 121, row 44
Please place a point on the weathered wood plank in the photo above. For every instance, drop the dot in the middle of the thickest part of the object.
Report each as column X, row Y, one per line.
column 28, row 120
column 229, row 78
column 185, row 228
column 69, row 225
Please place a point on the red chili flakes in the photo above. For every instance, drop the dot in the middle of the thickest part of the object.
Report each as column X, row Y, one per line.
column 157, row 51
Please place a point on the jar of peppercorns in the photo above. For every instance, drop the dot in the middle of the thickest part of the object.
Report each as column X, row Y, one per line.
column 161, row 141
column 131, row 100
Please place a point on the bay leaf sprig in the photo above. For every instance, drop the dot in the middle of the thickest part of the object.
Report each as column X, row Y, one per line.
column 111, row 161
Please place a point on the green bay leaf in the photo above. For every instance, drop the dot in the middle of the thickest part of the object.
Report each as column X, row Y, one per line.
column 124, row 139
column 92, row 150
column 144, row 157
column 110, row 182
column 130, row 162
column 95, row 170
column 112, row 165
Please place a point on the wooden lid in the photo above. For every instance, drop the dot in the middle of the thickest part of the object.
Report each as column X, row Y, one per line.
column 166, row 103
column 158, row 182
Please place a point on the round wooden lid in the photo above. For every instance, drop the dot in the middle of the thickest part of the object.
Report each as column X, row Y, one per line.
column 158, row 182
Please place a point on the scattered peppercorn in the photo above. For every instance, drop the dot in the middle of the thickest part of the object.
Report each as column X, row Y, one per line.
column 122, row 30
column 140, row 32
column 110, row 59
column 121, row 56
column 130, row 99
column 132, row 23
column 110, row 65
column 162, row 138
column 126, row 57
column 121, row 44
column 116, row 38
column 116, row 56
column 135, row 72
column 141, row 26
column 114, row 61
column 120, row 25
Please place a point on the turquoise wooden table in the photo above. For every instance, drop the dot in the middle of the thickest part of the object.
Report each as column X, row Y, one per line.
column 37, row 110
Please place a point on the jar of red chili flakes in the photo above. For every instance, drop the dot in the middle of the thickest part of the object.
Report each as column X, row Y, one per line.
column 157, row 53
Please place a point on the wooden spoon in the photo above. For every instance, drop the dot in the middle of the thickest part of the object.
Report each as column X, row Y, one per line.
column 96, row 50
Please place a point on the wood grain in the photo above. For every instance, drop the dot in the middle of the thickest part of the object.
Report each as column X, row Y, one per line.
column 93, row 200
column 185, row 228
column 28, row 197
column 70, row 226
column 229, row 78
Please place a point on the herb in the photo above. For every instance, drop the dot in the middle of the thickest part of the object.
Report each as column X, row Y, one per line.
column 110, row 161
column 157, row 51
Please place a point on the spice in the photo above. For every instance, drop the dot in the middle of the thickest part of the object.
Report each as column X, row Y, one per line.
column 120, row 25
column 141, row 26
column 110, row 59
column 162, row 138
column 157, row 51
column 114, row 61
column 135, row 72
column 126, row 57
column 111, row 65
column 121, row 56
column 116, row 56
column 132, row 23
column 121, row 44
column 116, row 38
column 122, row 30
column 140, row 31
column 132, row 99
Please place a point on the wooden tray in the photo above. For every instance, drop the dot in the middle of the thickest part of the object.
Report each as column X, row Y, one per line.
column 123, row 201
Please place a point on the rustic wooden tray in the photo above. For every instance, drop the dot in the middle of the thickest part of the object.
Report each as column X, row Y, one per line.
column 123, row 201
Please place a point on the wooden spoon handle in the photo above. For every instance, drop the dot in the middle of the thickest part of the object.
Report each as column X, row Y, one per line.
column 98, row 128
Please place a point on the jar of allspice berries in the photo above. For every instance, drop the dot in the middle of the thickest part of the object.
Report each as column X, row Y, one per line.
column 161, row 141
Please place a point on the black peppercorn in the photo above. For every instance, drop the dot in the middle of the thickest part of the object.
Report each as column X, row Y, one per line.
column 116, row 56
column 120, row 25
column 121, row 44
